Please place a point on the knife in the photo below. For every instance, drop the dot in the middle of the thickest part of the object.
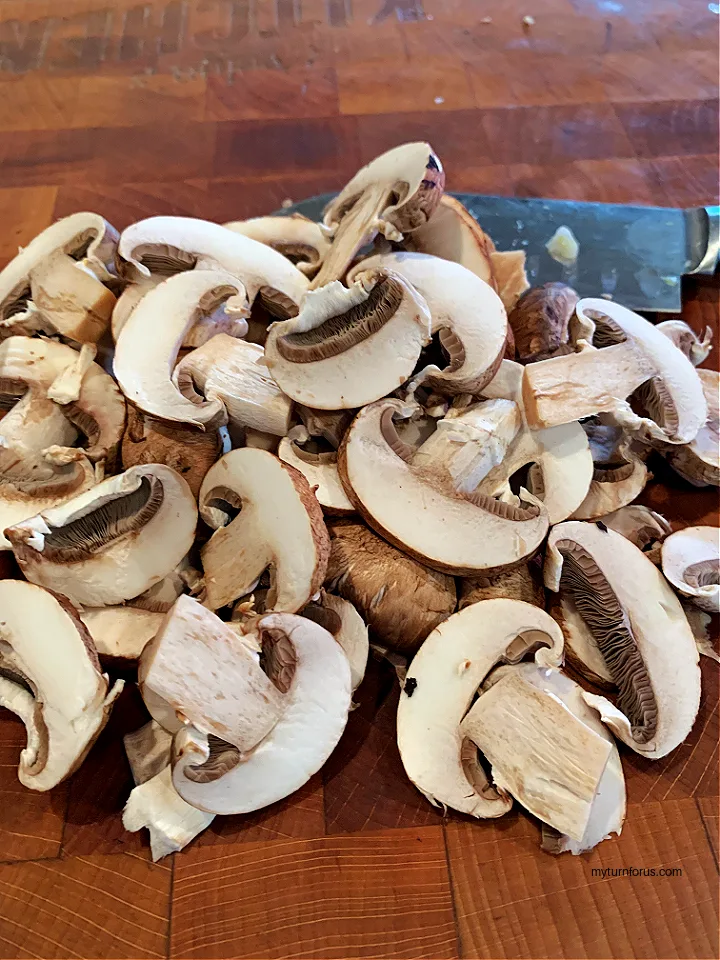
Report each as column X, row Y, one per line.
column 634, row 255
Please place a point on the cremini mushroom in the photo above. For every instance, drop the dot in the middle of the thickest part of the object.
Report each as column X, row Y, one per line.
column 691, row 562
column 685, row 339
column 319, row 469
column 394, row 194
column 302, row 241
column 309, row 666
column 698, row 462
column 350, row 346
column 120, row 633
column 280, row 526
column 638, row 628
column 540, row 322
column 401, row 600
column 446, row 672
column 112, row 542
column 593, row 381
column 523, row 582
column 50, row 677
column 340, row 618
column 56, row 285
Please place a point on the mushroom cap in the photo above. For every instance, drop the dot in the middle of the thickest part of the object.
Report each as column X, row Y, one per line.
column 321, row 472
column 691, row 562
column 540, row 320
column 699, row 461
column 685, row 339
column 112, row 542
column 448, row 669
column 302, row 241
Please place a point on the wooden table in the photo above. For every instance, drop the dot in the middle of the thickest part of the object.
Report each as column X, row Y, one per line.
column 223, row 109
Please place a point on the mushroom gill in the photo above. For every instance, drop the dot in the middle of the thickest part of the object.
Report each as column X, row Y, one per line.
column 498, row 508
column 164, row 258
column 453, row 347
column 278, row 658
column 703, row 573
column 657, row 403
column 222, row 757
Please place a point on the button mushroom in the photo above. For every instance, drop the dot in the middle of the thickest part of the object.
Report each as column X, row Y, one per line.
column 448, row 669
column 50, row 677
column 280, row 526
column 698, row 462
column 112, row 542
column 302, row 241
column 638, row 628
column 691, row 562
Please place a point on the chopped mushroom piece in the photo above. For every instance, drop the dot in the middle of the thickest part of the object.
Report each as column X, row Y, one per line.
column 540, row 322
column 315, row 675
column 280, row 526
column 698, row 462
column 685, row 339
column 691, row 562
column 350, row 346
column 120, row 633
column 50, row 677
column 302, row 241
column 639, row 629
column 112, row 542
column 448, row 669
column 319, row 469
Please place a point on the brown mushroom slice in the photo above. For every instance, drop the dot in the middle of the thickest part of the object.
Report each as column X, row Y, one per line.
column 548, row 749
column 350, row 346
column 120, row 633
column 685, row 339
column 303, row 242
column 540, row 322
column 420, row 509
column 168, row 244
column 698, row 462
column 112, row 542
column 280, row 527
column 448, row 669
column 691, row 562
column 639, row 628
column 593, row 381
column 64, row 698
column 523, row 582
column 394, row 194
column 55, row 285
column 321, row 472
column 234, row 373
column 341, row 619
column 467, row 315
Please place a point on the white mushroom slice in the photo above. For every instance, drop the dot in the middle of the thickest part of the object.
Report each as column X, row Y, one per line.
column 43, row 642
column 549, row 750
column 129, row 299
column 467, row 315
column 233, row 373
column 691, row 562
column 316, row 704
column 121, row 634
column 685, row 339
column 166, row 244
column 639, row 628
column 563, row 389
column 303, row 242
column 350, row 346
column 394, row 194
column 421, row 510
column 55, row 284
column 112, row 542
column 699, row 461
column 442, row 680
column 639, row 525
column 612, row 487
column 341, row 619
column 279, row 526
column 321, row 472
column 148, row 345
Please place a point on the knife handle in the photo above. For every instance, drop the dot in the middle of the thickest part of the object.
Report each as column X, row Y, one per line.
column 709, row 262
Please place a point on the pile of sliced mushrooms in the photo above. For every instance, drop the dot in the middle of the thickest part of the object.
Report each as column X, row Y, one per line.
column 231, row 454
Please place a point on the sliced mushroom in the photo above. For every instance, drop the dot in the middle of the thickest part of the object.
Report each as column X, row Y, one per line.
column 316, row 675
column 467, row 315
column 319, row 469
column 171, row 244
column 563, row 389
column 348, row 347
column 523, row 582
column 129, row 299
column 50, row 677
column 280, row 526
column 510, row 277
column 330, row 425
column 691, row 562
column 619, row 473
column 55, row 285
column 234, row 373
column 448, row 669
column 341, row 619
column 641, row 526
column 302, row 241
column 698, row 462
column 685, row 339
column 394, row 194
column 549, row 750
column 163, row 594
column 400, row 600
column 421, row 510
column 639, row 629
column 120, row 634
column 540, row 322
column 112, row 542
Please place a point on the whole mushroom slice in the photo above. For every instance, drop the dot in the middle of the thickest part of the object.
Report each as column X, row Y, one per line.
column 467, row 315
column 341, row 619
column 639, row 629
column 350, row 346
column 442, row 680
column 303, row 242
column 685, row 339
column 596, row 381
column 548, row 749
column 316, row 676
column 112, row 542
column 171, row 244
column 691, row 562
column 401, row 600
column 394, row 194
column 120, row 634
column 319, row 469
column 419, row 508
column 55, row 285
column 280, row 526
column 698, row 462
column 61, row 695
column 148, row 345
